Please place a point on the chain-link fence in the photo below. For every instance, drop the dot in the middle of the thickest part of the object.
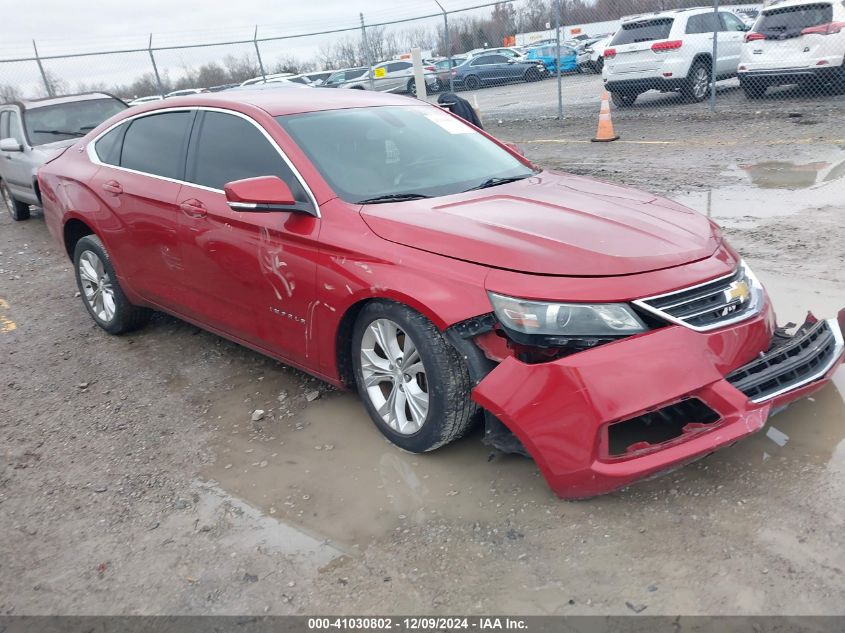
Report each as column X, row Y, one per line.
column 513, row 59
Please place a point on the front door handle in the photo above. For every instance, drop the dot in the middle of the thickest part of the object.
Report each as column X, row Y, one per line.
column 112, row 186
column 193, row 208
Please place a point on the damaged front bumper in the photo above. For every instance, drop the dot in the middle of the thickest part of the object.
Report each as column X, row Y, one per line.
column 603, row 418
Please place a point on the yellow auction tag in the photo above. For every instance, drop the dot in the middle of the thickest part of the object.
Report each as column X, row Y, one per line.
column 379, row 72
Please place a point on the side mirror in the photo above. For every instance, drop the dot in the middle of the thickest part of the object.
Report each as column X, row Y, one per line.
column 10, row 145
column 511, row 61
column 262, row 194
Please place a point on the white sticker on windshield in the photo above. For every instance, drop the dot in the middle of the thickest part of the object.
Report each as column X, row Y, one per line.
column 449, row 123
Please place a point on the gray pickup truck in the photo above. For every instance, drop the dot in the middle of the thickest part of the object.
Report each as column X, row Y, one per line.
column 32, row 132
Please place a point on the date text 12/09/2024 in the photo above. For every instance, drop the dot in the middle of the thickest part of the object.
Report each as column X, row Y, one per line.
column 417, row 623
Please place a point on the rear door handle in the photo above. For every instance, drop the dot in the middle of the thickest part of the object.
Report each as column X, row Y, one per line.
column 193, row 208
column 112, row 186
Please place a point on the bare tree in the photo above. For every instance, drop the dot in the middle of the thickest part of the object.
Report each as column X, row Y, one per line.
column 9, row 93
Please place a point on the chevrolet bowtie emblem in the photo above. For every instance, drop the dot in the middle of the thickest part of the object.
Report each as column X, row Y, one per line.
column 738, row 290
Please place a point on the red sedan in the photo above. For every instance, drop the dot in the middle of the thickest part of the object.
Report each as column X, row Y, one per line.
column 388, row 247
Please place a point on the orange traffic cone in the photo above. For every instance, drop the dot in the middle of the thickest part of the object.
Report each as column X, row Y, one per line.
column 605, row 134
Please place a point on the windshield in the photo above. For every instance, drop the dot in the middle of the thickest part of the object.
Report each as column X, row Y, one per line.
column 73, row 119
column 790, row 19
column 643, row 31
column 367, row 153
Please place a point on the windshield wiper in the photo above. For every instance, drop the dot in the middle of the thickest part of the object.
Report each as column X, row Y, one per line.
column 64, row 132
column 393, row 197
column 492, row 182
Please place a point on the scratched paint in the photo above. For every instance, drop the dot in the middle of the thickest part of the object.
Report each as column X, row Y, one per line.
column 273, row 266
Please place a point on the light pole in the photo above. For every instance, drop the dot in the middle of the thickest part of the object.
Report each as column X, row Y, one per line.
column 448, row 44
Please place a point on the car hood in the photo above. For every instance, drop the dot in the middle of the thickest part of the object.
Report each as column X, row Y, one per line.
column 551, row 224
column 49, row 151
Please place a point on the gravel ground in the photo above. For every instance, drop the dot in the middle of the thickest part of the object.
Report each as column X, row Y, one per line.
column 135, row 477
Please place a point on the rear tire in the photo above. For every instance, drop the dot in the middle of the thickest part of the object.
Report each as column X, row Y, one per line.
column 17, row 210
column 623, row 99
column 472, row 83
column 697, row 84
column 417, row 391
column 101, row 292
column 752, row 89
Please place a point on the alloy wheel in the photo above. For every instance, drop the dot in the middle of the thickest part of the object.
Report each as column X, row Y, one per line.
column 96, row 286
column 394, row 376
column 700, row 83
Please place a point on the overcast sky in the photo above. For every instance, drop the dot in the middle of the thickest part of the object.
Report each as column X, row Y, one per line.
column 75, row 26
column 61, row 26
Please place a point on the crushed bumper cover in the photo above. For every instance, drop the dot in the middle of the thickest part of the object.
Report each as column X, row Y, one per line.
column 602, row 419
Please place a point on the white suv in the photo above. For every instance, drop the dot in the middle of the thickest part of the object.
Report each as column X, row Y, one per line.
column 671, row 51
column 794, row 42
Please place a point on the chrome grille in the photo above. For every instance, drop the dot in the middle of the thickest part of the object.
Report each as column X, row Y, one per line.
column 712, row 304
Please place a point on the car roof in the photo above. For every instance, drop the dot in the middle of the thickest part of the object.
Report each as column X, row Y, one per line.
column 282, row 102
column 31, row 104
column 669, row 13
column 780, row 4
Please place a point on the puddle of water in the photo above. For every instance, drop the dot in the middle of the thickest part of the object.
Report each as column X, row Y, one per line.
column 328, row 469
column 773, row 188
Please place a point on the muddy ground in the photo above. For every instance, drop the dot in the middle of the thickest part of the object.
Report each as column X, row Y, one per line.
column 133, row 480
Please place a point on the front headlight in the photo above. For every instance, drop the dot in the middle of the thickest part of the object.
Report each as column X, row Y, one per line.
column 566, row 319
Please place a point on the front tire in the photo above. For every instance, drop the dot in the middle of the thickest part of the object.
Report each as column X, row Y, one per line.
column 101, row 292
column 697, row 84
column 413, row 383
column 17, row 210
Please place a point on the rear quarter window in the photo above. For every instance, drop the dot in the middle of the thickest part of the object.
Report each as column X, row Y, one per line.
column 789, row 19
column 109, row 145
column 643, row 31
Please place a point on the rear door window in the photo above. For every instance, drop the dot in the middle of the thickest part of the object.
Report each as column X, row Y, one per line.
column 703, row 23
column 156, row 144
column 643, row 31
column 793, row 19
column 226, row 148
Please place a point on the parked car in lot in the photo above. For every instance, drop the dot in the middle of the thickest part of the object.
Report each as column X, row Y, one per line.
column 391, row 76
column 340, row 77
column 548, row 56
column 32, row 132
column 512, row 52
column 318, row 78
column 496, row 70
column 595, row 52
column 264, row 78
column 387, row 247
column 794, row 42
column 671, row 51
column 147, row 99
column 443, row 72
column 185, row 91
